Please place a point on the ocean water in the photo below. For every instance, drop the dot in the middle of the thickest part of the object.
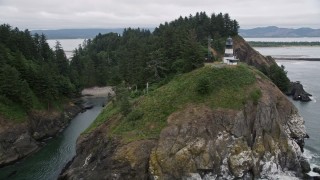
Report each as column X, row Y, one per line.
column 290, row 51
column 68, row 45
column 308, row 73
column 285, row 39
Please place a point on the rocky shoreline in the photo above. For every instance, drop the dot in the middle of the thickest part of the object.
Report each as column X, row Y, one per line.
column 263, row 140
column 17, row 141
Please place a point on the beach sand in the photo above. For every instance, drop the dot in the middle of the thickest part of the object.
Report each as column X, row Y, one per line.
column 98, row 91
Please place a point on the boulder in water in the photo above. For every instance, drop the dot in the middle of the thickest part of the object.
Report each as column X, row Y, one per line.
column 297, row 92
column 316, row 169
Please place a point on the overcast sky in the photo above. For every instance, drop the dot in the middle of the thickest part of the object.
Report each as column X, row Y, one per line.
column 57, row 14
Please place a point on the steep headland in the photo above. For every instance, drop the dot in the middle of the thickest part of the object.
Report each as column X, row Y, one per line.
column 218, row 122
column 250, row 56
column 267, row 64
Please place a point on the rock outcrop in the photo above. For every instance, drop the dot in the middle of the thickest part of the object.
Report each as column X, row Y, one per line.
column 263, row 139
column 18, row 140
column 248, row 55
column 43, row 124
column 298, row 93
column 15, row 142
column 100, row 157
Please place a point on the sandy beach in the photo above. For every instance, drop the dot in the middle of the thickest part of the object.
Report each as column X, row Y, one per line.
column 98, row 91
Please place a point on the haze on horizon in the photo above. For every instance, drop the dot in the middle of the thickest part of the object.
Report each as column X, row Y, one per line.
column 66, row 14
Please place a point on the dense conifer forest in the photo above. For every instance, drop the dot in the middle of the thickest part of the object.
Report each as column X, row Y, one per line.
column 34, row 76
column 139, row 56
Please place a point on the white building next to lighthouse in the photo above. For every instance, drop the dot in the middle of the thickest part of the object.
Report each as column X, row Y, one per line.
column 229, row 57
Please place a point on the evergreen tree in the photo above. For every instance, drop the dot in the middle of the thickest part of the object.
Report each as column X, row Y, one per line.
column 30, row 71
column 139, row 56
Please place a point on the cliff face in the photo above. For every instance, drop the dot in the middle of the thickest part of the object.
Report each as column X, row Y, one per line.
column 256, row 142
column 19, row 140
column 250, row 56
column 263, row 139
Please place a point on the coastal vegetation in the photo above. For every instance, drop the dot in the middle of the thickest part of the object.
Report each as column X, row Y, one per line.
column 170, row 115
column 139, row 56
column 225, row 87
column 32, row 75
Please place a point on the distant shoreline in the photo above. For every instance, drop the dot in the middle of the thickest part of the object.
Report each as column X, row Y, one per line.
column 297, row 59
column 283, row 43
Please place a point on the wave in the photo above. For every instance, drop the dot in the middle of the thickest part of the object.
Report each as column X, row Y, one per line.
column 313, row 99
column 313, row 160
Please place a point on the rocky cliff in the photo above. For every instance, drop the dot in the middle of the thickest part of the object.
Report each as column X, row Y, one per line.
column 250, row 56
column 17, row 140
column 261, row 139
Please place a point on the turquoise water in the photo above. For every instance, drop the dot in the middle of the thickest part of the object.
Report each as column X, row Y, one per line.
column 47, row 163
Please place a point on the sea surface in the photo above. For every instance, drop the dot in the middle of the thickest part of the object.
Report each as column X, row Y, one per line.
column 308, row 73
column 284, row 39
column 68, row 45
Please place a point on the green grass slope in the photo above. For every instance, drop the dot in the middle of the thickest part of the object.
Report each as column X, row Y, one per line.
column 227, row 87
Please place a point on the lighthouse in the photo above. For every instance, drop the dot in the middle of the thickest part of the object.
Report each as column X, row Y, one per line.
column 229, row 57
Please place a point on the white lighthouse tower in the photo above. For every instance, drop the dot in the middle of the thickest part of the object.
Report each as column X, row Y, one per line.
column 229, row 57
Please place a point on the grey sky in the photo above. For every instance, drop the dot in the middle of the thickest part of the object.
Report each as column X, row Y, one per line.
column 57, row 14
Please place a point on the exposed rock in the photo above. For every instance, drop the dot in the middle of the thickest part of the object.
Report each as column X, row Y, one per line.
column 248, row 55
column 99, row 157
column 44, row 124
column 305, row 166
column 316, row 169
column 198, row 143
column 297, row 92
column 15, row 143
column 19, row 140
column 232, row 144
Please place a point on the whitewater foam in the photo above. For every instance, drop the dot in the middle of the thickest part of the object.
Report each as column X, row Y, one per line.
column 311, row 159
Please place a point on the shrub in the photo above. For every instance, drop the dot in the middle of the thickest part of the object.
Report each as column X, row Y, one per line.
column 134, row 115
column 278, row 76
column 255, row 95
column 125, row 107
column 203, row 86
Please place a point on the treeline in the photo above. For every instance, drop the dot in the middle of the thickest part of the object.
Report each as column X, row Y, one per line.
column 280, row 44
column 139, row 56
column 32, row 75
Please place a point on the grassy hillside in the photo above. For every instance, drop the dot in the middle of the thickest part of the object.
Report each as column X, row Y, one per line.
column 216, row 87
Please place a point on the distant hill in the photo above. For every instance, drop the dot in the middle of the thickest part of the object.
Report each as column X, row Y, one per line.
column 75, row 33
column 273, row 31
